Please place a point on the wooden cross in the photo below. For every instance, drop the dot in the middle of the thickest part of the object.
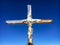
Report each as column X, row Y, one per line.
column 29, row 21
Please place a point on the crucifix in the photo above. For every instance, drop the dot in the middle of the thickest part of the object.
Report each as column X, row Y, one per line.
column 29, row 21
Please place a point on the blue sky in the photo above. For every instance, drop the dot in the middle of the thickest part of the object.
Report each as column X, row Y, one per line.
column 44, row 34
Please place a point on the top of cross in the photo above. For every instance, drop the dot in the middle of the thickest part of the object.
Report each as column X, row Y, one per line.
column 29, row 19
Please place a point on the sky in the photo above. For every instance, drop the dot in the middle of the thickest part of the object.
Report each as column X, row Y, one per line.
column 43, row 34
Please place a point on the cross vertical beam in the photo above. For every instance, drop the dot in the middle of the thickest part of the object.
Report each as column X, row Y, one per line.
column 30, row 32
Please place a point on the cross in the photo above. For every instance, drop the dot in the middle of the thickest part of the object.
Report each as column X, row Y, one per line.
column 29, row 21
